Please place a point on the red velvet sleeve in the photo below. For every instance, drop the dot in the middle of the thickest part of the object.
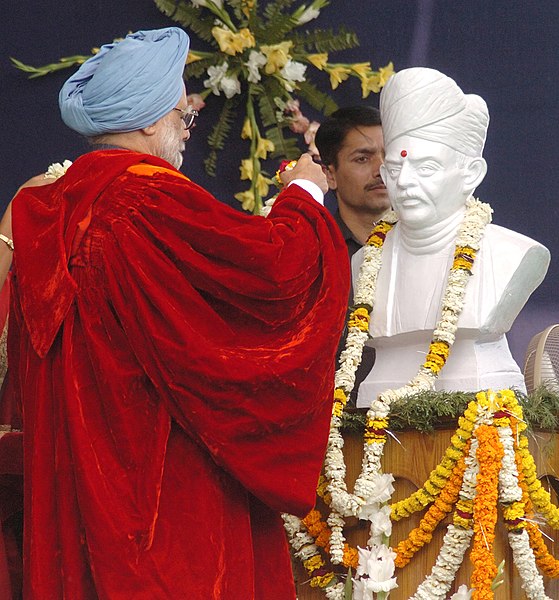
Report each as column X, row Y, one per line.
column 235, row 319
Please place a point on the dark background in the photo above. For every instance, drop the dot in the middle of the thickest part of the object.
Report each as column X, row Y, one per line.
column 503, row 50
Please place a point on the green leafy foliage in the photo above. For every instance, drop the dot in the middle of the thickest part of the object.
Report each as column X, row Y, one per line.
column 325, row 40
column 439, row 410
column 63, row 63
column 187, row 15
column 216, row 139
column 317, row 99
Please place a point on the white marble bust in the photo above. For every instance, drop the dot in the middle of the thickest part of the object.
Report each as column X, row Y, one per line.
column 434, row 136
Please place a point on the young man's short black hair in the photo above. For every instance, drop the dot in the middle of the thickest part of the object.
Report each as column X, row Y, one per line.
column 333, row 130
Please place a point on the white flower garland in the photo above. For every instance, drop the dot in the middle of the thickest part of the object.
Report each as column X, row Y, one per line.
column 366, row 500
column 525, row 562
column 343, row 504
column 456, row 540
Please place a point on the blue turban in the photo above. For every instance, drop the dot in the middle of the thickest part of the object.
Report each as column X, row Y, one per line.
column 127, row 85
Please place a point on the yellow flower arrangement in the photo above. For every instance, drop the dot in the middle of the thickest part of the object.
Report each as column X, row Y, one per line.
column 233, row 43
column 260, row 62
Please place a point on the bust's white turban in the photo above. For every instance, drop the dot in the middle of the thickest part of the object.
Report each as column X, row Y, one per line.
column 128, row 85
column 425, row 103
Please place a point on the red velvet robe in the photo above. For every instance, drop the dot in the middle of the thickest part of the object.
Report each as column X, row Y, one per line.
column 174, row 358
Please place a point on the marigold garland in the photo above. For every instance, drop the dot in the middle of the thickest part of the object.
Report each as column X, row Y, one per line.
column 521, row 518
column 477, row 468
column 489, row 454
column 442, row 506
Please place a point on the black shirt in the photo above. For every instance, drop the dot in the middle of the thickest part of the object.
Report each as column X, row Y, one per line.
column 368, row 358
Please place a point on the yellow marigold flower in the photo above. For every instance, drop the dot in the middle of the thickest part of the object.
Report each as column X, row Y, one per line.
column 465, row 250
column 338, row 409
column 351, row 557
column 434, row 363
column 359, row 318
column 374, row 438
column 247, row 168
column 233, row 43
column 439, row 480
column 430, row 488
column 323, row 537
column 338, row 74
column 318, row 60
column 458, row 521
column 424, row 497
column 454, row 453
column 381, row 423
column 313, row 517
column 514, row 511
column 246, row 132
column 385, row 73
column 277, row 55
column 378, row 235
column 247, row 199
column 313, row 563
column 340, row 395
column 263, row 147
column 440, row 348
column 502, row 422
column 322, row 581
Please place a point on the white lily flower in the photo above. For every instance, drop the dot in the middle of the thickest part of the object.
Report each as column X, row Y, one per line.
column 308, row 15
column 255, row 61
column 294, row 71
column 376, row 568
column 230, row 85
column 205, row 3
column 463, row 593
column 215, row 75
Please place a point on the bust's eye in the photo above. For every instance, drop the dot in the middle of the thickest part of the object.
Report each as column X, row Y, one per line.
column 394, row 171
column 426, row 169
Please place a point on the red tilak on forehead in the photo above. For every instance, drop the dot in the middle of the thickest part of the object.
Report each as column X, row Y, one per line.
column 404, row 153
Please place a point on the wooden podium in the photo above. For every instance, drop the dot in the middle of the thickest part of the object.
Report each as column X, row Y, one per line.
column 411, row 461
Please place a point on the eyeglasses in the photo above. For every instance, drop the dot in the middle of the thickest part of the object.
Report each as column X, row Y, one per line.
column 188, row 115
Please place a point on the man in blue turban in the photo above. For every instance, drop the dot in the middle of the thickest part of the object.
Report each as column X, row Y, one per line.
column 174, row 357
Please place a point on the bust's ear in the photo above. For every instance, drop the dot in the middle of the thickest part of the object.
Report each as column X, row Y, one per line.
column 475, row 173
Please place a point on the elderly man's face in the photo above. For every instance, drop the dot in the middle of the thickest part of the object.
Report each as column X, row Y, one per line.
column 172, row 135
column 424, row 182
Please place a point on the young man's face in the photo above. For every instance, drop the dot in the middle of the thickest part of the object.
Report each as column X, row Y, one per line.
column 356, row 177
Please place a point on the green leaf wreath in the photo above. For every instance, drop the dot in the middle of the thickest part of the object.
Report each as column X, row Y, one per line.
column 260, row 69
